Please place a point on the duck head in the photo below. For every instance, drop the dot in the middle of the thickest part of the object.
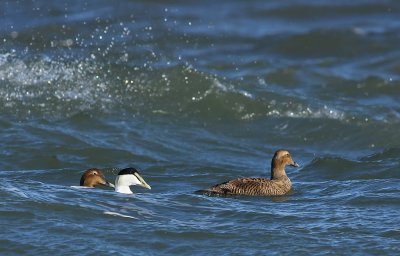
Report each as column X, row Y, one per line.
column 281, row 159
column 129, row 177
column 93, row 177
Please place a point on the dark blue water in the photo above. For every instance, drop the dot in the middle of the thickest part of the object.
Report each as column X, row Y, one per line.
column 194, row 94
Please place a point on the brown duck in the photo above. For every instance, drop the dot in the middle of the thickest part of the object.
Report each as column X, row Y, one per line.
column 279, row 184
column 93, row 177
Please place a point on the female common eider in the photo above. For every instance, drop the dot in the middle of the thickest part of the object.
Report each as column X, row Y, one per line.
column 129, row 177
column 279, row 184
column 93, row 177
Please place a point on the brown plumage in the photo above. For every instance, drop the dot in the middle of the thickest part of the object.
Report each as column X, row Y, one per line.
column 93, row 177
column 279, row 184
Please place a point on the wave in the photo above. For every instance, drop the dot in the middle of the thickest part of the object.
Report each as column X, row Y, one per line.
column 379, row 166
column 44, row 87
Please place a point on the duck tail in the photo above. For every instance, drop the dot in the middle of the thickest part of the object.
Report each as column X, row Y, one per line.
column 203, row 191
column 211, row 192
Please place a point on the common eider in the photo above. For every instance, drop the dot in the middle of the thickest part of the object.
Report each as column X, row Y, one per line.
column 129, row 177
column 93, row 177
column 279, row 184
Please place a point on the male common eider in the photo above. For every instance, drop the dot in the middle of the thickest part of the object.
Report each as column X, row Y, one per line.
column 279, row 184
column 129, row 177
column 93, row 177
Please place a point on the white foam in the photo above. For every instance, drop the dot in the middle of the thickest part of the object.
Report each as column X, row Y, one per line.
column 80, row 187
column 120, row 215
column 308, row 112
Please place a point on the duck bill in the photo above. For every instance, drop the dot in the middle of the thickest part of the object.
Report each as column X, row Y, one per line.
column 294, row 164
column 108, row 184
column 142, row 182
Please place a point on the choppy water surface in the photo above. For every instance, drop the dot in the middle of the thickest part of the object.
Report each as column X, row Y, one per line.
column 195, row 93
